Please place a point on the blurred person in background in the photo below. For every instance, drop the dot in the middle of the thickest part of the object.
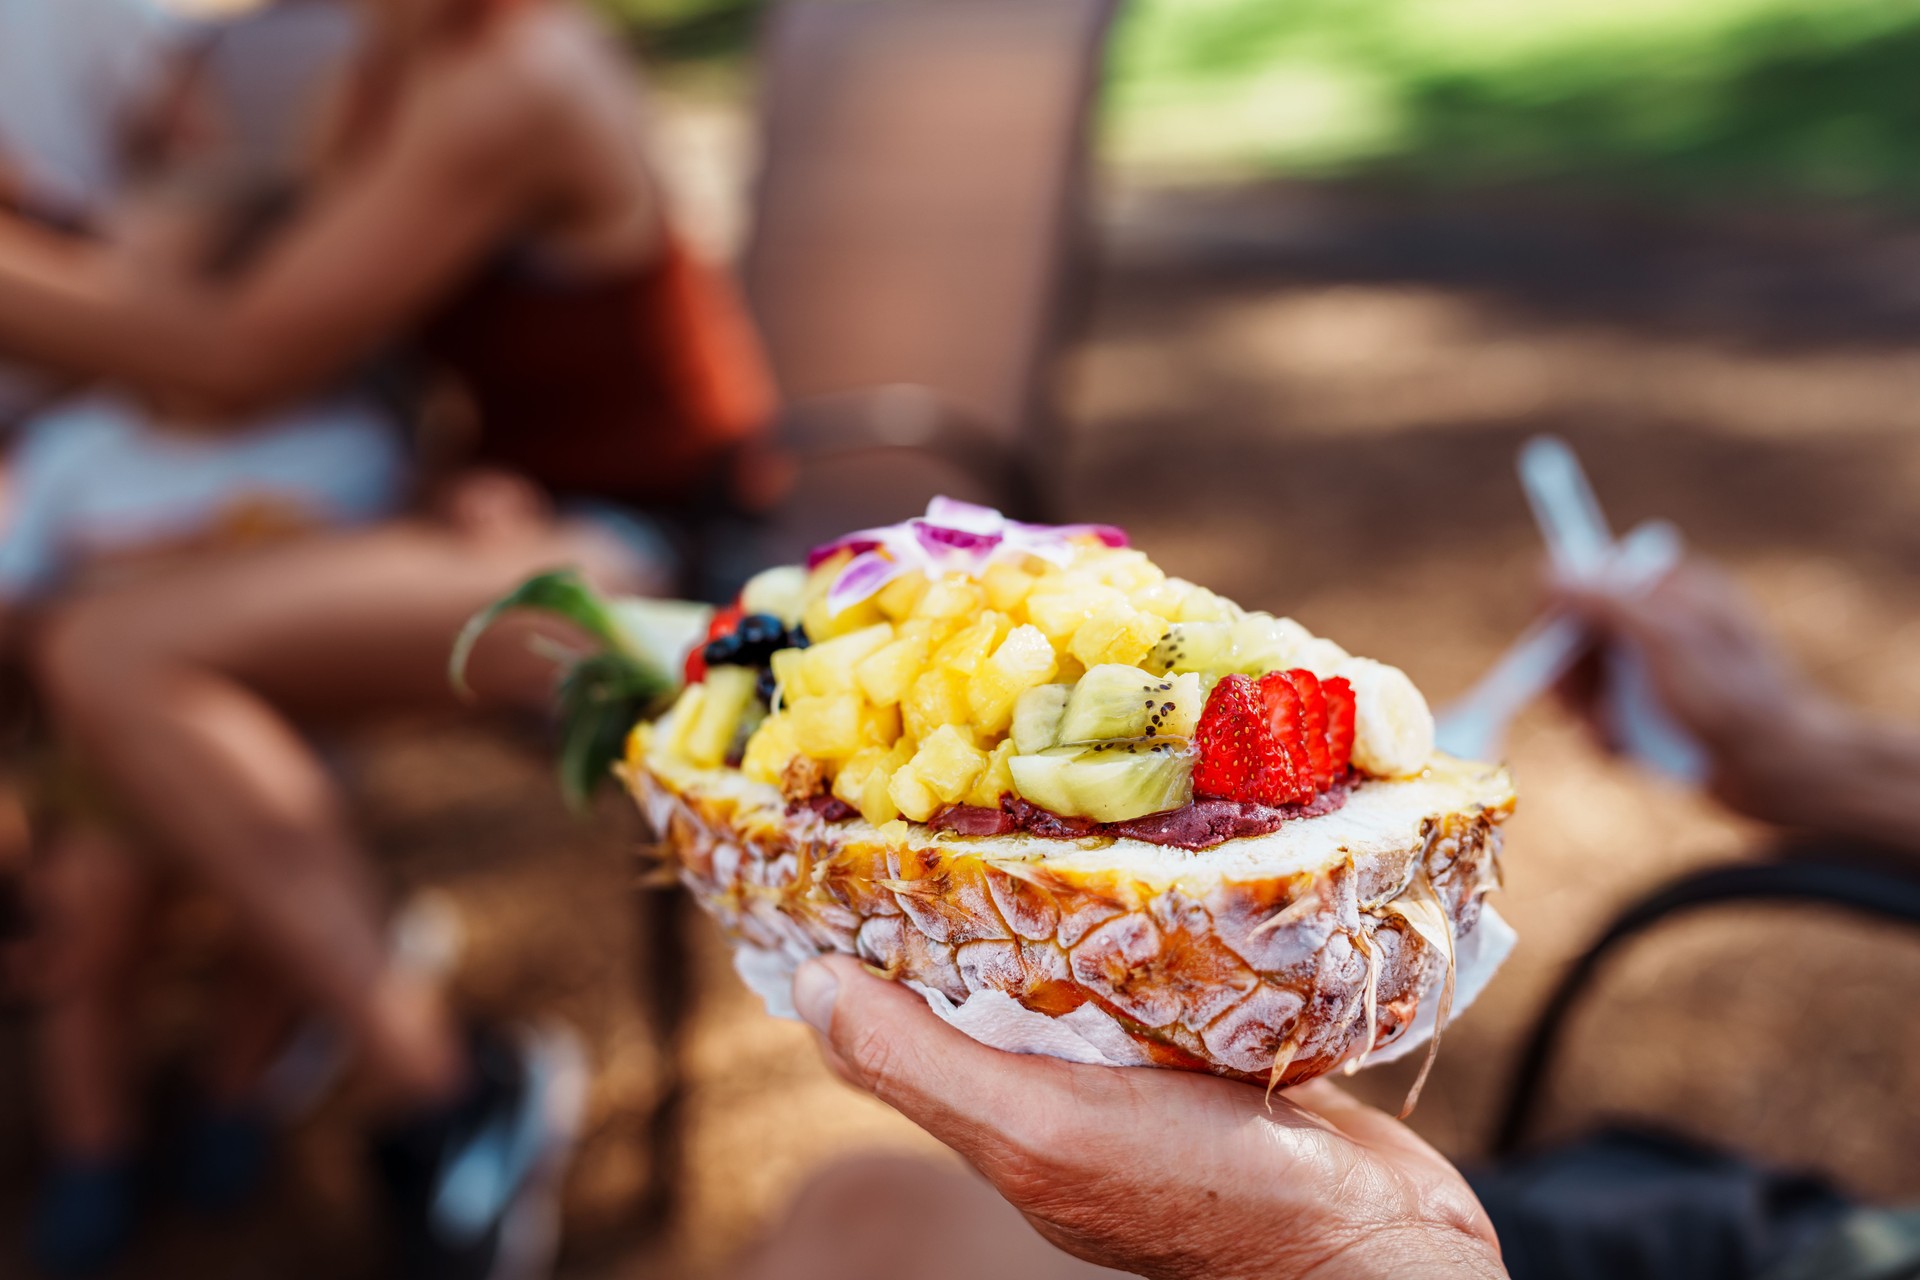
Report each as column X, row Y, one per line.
column 75, row 81
column 1178, row 1177
column 102, row 487
column 483, row 200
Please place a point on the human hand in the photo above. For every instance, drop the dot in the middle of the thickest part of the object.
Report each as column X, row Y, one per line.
column 1166, row 1174
column 1717, row 669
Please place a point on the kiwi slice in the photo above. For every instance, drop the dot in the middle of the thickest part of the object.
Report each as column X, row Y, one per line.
column 1112, row 701
column 1036, row 717
column 1194, row 646
column 1108, row 781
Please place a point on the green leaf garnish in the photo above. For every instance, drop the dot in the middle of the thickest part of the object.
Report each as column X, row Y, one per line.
column 601, row 695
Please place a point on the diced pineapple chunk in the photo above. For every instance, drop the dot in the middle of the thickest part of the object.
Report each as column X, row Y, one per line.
column 995, row 780
column 790, row 672
column 1061, row 608
column 829, row 726
column 911, row 795
column 938, row 697
column 880, row 726
column 1006, row 585
column 769, row 749
column 864, row 781
column 1024, row 659
column 1117, row 633
column 679, row 721
column 729, row 691
column 823, row 624
column 1125, row 568
column 886, row 674
column 850, row 781
column 898, row 597
column 967, row 648
column 830, row 664
column 954, row 596
column 947, row 764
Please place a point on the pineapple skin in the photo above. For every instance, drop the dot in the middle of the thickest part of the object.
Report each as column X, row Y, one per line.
column 1200, row 979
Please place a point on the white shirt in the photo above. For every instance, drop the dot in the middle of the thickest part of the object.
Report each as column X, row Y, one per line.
column 71, row 74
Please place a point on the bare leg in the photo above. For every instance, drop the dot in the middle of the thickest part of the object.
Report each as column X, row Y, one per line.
column 91, row 903
column 881, row 1217
column 176, row 690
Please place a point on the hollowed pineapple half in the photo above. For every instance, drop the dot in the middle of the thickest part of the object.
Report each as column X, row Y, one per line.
column 1057, row 671
column 1271, row 959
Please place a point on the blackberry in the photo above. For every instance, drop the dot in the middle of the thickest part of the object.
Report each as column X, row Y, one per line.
column 761, row 631
column 724, row 651
column 766, row 686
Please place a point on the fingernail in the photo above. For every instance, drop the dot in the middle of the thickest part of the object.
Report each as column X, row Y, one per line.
column 814, row 991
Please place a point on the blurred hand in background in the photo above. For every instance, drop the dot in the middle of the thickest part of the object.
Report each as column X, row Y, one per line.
column 1781, row 749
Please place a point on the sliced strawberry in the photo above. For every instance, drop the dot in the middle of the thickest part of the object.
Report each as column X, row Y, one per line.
column 1340, row 716
column 723, row 624
column 725, row 621
column 1237, row 753
column 1313, row 723
column 1292, row 775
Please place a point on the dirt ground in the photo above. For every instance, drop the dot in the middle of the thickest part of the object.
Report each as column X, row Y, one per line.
column 1310, row 400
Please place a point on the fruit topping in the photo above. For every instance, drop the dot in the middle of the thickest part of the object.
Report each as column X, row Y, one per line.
column 1250, row 645
column 1292, row 782
column 1194, row 646
column 1112, row 701
column 1393, row 728
column 1241, row 756
column 1107, row 781
column 1036, row 717
column 1340, row 716
column 717, row 715
column 780, row 591
column 1313, row 723
column 752, row 642
column 724, row 621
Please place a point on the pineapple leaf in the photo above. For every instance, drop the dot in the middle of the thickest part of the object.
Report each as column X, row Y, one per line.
column 562, row 593
column 600, row 699
column 600, row 695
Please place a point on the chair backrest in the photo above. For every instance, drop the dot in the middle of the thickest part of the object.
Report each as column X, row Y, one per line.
column 920, row 210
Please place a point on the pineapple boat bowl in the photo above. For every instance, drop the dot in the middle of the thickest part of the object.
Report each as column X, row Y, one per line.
column 1084, row 808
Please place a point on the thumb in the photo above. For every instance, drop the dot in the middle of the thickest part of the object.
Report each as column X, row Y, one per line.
column 880, row 1036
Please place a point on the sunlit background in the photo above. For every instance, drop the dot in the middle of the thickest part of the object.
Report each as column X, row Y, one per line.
column 1344, row 257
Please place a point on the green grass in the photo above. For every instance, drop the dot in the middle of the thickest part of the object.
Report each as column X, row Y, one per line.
column 1677, row 98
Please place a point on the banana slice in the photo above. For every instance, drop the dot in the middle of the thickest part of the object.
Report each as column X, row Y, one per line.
column 1316, row 653
column 1393, row 729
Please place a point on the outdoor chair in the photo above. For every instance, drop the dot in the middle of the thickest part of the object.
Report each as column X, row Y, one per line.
column 917, row 255
column 1847, row 878
column 916, row 262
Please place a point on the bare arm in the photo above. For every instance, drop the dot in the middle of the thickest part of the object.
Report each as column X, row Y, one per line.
column 459, row 168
